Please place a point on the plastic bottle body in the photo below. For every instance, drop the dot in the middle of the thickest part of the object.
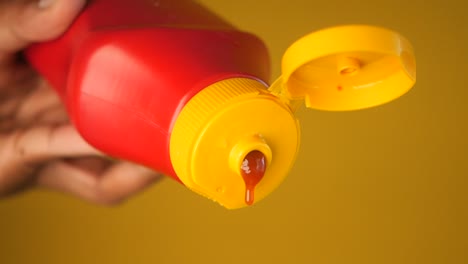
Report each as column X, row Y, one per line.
column 125, row 69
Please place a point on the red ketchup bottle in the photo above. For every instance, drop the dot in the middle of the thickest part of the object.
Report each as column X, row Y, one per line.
column 170, row 85
column 125, row 69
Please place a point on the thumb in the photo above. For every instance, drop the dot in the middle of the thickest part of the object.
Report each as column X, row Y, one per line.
column 24, row 22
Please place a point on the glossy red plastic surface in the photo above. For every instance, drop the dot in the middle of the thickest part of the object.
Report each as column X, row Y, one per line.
column 125, row 69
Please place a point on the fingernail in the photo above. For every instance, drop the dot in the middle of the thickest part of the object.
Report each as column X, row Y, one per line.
column 45, row 3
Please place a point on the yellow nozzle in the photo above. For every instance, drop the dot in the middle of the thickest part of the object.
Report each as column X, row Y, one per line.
column 246, row 145
column 222, row 124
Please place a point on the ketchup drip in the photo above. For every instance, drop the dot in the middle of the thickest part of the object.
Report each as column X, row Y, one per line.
column 252, row 170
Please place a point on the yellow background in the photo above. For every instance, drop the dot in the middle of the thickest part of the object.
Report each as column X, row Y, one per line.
column 384, row 185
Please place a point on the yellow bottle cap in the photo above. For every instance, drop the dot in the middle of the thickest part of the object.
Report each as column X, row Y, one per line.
column 341, row 68
column 347, row 68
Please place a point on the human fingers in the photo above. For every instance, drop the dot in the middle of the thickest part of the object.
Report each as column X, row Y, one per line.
column 41, row 104
column 42, row 143
column 119, row 182
column 55, row 115
column 31, row 106
column 16, row 78
column 24, row 152
column 24, row 22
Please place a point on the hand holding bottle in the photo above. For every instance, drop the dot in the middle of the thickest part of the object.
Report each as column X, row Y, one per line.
column 38, row 145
